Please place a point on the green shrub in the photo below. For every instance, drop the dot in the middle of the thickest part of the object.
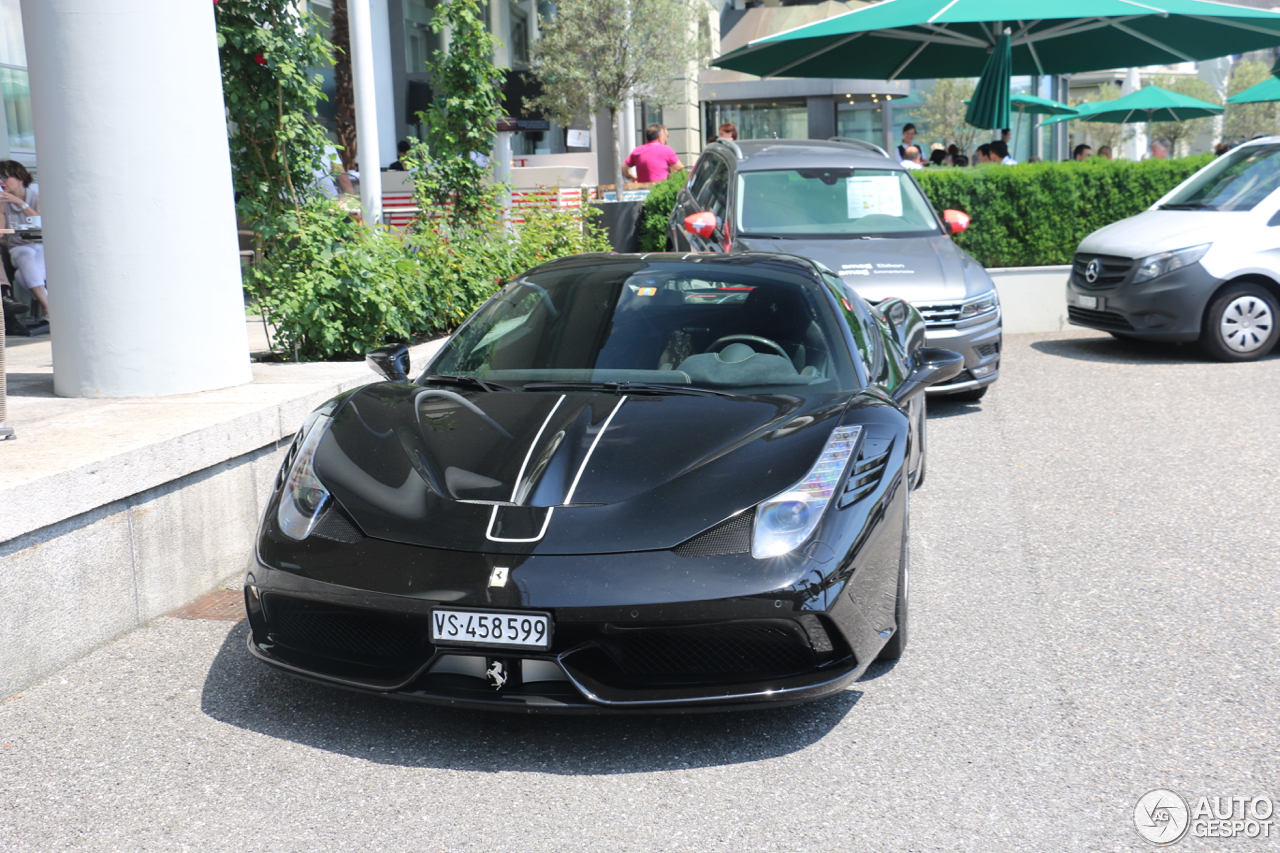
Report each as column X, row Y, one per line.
column 1036, row 214
column 655, row 213
column 1029, row 215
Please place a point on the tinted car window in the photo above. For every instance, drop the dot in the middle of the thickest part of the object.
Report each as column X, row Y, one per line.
column 720, row 327
column 1237, row 180
column 832, row 202
column 716, row 186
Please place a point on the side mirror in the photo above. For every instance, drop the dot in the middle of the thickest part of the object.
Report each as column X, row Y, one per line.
column 932, row 366
column 700, row 224
column 957, row 220
column 391, row 361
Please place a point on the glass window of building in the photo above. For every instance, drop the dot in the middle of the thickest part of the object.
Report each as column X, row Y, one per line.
column 15, row 88
column 763, row 119
column 420, row 43
column 519, row 37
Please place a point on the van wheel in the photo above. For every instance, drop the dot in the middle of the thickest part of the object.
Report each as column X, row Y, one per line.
column 1241, row 323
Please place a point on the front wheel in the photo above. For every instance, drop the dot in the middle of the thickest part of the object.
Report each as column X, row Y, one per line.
column 898, row 642
column 1240, row 324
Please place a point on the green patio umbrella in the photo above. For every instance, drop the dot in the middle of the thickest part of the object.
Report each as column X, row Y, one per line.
column 922, row 39
column 989, row 106
column 1032, row 105
column 1149, row 104
column 1267, row 90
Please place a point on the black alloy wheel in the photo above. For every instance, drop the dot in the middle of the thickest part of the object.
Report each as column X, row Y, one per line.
column 1241, row 323
column 901, row 611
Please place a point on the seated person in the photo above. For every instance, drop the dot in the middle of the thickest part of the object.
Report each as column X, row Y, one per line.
column 20, row 198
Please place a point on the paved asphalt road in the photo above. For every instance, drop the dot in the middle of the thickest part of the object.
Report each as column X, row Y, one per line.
column 1096, row 615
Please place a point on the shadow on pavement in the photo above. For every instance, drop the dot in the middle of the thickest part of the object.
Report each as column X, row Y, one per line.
column 30, row 384
column 1120, row 351
column 246, row 693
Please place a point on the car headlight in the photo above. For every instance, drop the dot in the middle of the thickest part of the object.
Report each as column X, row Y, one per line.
column 785, row 521
column 302, row 496
column 1167, row 262
column 979, row 305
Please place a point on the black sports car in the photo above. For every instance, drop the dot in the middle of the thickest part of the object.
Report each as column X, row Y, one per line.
column 628, row 482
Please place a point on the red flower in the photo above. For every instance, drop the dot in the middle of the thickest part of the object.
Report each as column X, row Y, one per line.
column 260, row 59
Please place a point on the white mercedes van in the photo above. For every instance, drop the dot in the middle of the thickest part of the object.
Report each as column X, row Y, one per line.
column 1201, row 264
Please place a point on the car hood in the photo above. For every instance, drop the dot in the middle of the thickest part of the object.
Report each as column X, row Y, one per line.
column 918, row 269
column 1154, row 231
column 553, row 473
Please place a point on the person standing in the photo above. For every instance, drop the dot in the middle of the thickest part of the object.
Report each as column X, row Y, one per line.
column 728, row 131
column 908, row 135
column 1081, row 152
column 20, row 196
column 1000, row 151
column 1159, row 149
column 912, row 160
column 654, row 161
column 1105, row 152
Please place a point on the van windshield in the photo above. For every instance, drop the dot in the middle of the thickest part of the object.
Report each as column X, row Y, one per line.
column 832, row 202
column 1237, row 180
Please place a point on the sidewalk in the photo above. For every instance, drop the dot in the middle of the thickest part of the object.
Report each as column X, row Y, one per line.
column 74, row 453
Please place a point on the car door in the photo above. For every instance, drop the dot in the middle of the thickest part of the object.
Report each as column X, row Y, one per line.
column 686, row 203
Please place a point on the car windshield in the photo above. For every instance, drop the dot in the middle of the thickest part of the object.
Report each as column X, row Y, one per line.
column 677, row 327
column 831, row 202
column 1237, row 180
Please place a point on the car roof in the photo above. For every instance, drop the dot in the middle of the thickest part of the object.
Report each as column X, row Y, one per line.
column 737, row 259
column 762, row 154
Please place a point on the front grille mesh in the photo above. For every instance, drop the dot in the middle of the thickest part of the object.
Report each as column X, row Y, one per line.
column 1114, row 270
column 1099, row 319
column 337, row 526
column 939, row 313
column 727, row 649
column 985, row 350
column 359, row 635
column 732, row 536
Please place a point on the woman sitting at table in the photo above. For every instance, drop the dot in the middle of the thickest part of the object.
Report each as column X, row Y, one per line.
column 20, row 198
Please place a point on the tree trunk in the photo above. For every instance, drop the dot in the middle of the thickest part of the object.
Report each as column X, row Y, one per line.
column 619, row 181
column 344, row 99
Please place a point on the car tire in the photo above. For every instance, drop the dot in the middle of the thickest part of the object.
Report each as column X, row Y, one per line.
column 973, row 395
column 901, row 610
column 921, row 439
column 1241, row 323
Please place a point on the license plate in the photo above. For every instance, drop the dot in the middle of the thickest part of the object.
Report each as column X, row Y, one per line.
column 1087, row 301
column 491, row 629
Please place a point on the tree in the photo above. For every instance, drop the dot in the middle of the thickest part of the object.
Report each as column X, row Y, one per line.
column 1179, row 131
column 462, row 120
column 595, row 54
column 1246, row 121
column 344, row 94
column 942, row 113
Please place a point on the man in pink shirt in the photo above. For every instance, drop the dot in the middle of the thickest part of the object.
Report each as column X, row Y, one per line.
column 653, row 161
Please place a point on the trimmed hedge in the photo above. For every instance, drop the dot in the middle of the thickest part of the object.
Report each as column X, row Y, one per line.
column 1036, row 214
column 1028, row 215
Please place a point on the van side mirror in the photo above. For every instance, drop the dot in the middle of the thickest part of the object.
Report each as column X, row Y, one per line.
column 700, row 224
column 391, row 361
column 957, row 220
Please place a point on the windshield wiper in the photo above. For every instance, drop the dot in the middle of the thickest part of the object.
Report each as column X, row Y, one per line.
column 468, row 381
column 1189, row 205
column 621, row 388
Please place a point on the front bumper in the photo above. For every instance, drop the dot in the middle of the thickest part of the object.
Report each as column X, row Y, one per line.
column 1166, row 308
column 690, row 656
column 978, row 341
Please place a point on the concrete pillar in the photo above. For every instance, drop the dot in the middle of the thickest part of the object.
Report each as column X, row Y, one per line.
column 362, row 81
column 135, row 183
column 822, row 116
column 384, row 81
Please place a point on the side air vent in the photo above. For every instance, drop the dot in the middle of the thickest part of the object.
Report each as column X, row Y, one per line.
column 732, row 536
column 337, row 526
column 867, row 471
